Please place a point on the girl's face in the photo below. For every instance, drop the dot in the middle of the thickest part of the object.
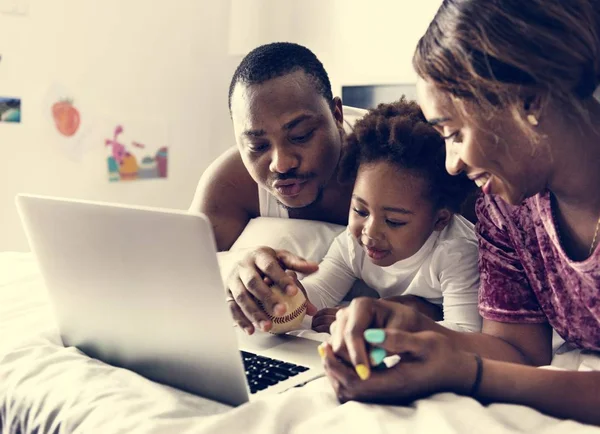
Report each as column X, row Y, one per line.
column 498, row 157
column 391, row 215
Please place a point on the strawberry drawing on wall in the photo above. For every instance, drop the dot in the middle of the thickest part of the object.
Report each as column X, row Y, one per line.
column 66, row 117
column 69, row 120
column 127, row 162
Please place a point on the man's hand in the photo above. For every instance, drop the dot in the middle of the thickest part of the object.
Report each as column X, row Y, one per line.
column 250, row 280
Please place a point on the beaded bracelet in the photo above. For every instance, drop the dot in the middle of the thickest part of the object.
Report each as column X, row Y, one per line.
column 478, row 376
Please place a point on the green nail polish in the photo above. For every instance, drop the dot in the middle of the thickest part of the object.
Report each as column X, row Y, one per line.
column 374, row 336
column 377, row 356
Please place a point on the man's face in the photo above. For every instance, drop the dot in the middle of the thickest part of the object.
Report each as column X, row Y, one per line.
column 289, row 138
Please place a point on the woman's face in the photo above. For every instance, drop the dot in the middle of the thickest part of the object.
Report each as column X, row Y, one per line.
column 492, row 150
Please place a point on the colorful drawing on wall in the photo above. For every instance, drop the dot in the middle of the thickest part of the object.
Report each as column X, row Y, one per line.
column 133, row 160
column 10, row 109
column 69, row 120
column 66, row 117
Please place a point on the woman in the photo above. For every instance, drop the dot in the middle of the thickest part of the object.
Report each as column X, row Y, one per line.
column 509, row 85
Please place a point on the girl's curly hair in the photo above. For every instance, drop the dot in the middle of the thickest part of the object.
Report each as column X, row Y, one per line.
column 398, row 133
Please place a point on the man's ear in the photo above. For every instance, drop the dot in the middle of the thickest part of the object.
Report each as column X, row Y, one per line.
column 444, row 216
column 338, row 112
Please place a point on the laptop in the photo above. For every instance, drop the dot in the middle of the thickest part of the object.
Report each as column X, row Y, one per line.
column 140, row 288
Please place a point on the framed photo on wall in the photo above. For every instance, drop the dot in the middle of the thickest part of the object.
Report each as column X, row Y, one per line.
column 369, row 96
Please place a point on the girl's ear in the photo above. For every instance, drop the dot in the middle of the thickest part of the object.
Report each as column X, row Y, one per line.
column 444, row 216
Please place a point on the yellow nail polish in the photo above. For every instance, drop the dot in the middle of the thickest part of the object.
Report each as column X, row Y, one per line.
column 321, row 351
column 362, row 371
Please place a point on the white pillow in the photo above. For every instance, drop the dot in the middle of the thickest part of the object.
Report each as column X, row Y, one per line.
column 306, row 238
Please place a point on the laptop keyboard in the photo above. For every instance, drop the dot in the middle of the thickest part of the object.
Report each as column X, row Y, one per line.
column 262, row 372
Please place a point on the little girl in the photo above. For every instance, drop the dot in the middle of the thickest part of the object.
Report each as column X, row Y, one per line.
column 404, row 237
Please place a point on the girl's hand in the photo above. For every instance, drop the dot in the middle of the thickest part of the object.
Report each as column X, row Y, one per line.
column 428, row 364
column 419, row 304
column 323, row 319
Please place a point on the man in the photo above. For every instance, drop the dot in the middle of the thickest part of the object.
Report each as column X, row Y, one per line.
column 289, row 131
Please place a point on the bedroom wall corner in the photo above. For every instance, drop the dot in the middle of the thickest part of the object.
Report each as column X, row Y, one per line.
column 122, row 62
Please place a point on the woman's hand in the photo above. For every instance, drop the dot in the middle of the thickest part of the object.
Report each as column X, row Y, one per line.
column 347, row 332
column 432, row 362
column 323, row 319
column 428, row 364
column 368, row 330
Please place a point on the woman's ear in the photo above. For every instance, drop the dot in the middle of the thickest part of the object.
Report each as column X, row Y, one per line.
column 444, row 216
column 532, row 105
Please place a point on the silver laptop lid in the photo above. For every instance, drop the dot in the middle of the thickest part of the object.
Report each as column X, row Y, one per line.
column 138, row 288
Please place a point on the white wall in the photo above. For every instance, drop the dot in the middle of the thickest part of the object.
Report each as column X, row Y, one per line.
column 127, row 60
column 134, row 60
column 375, row 40
column 359, row 42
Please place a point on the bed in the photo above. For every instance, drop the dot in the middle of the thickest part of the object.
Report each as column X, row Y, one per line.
column 46, row 388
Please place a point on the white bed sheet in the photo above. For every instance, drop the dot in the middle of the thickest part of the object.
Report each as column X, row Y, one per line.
column 45, row 387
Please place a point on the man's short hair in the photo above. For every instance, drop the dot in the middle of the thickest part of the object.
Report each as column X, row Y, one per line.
column 277, row 59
